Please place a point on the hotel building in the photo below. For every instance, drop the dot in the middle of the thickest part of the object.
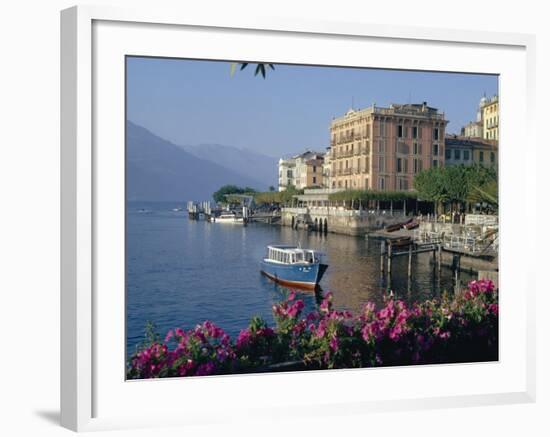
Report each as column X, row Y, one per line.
column 383, row 148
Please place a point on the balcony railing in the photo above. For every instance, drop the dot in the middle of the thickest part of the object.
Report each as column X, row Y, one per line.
column 345, row 154
column 397, row 112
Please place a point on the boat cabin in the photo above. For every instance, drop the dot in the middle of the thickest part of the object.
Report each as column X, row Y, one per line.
column 292, row 255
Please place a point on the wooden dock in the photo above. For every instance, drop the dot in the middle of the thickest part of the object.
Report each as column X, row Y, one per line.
column 395, row 247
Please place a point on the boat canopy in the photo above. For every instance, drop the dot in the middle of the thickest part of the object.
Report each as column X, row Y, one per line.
column 292, row 254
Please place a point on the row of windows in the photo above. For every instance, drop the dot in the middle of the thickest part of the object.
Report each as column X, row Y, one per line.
column 402, row 165
column 350, row 133
column 402, row 148
column 349, row 148
column 492, row 134
column 349, row 184
column 349, row 163
column 449, row 153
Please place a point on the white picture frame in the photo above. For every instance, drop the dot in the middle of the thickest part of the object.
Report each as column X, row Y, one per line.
column 90, row 268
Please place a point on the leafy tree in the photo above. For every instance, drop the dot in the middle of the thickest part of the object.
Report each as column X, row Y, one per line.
column 277, row 197
column 454, row 184
column 487, row 193
column 260, row 68
column 219, row 196
column 271, row 188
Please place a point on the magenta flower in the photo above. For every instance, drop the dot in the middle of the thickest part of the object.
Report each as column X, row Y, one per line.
column 333, row 343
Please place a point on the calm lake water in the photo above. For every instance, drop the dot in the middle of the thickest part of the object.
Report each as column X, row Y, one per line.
column 181, row 272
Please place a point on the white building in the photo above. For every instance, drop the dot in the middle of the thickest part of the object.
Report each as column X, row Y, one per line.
column 296, row 170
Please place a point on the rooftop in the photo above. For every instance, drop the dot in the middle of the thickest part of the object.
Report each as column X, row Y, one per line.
column 409, row 109
column 460, row 141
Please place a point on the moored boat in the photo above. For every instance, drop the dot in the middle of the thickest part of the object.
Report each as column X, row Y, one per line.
column 411, row 225
column 400, row 242
column 293, row 266
column 397, row 226
column 393, row 228
column 229, row 218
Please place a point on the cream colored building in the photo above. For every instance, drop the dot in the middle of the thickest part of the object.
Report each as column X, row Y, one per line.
column 304, row 170
column 383, row 148
column 473, row 129
column 490, row 118
column 327, row 168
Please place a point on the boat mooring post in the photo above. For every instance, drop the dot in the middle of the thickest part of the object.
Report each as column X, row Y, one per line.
column 457, row 273
column 409, row 269
column 389, row 258
column 382, row 256
column 439, row 255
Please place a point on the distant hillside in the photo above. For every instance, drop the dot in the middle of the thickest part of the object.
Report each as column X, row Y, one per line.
column 158, row 170
column 246, row 162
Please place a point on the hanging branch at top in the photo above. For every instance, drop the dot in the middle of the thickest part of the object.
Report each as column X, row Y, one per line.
column 260, row 68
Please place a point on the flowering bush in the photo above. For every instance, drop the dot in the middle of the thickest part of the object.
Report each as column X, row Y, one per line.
column 460, row 328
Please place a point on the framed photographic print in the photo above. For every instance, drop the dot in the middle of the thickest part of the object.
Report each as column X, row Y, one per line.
column 278, row 207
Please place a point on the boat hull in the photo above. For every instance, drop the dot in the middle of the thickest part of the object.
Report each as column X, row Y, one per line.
column 236, row 221
column 294, row 275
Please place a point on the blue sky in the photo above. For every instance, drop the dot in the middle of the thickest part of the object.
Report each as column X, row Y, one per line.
column 197, row 102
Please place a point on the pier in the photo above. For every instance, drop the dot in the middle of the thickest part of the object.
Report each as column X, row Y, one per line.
column 398, row 247
column 198, row 210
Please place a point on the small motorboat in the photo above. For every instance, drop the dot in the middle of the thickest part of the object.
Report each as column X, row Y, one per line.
column 393, row 228
column 397, row 226
column 411, row 225
column 400, row 242
column 293, row 266
column 228, row 218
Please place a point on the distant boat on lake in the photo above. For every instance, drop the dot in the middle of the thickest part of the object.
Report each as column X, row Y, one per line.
column 293, row 266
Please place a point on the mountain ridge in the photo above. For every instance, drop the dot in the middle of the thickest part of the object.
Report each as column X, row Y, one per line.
column 250, row 163
column 159, row 170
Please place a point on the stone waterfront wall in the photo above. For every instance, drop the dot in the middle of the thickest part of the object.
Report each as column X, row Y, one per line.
column 339, row 220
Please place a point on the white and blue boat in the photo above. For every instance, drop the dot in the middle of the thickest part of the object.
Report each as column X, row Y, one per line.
column 293, row 266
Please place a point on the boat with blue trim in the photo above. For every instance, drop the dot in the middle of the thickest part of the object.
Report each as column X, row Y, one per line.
column 293, row 266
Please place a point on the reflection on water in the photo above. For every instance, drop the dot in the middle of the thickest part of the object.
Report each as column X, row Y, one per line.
column 182, row 272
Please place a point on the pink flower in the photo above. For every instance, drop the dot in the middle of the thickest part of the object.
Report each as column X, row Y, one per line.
column 321, row 329
column 205, row 369
column 395, row 332
column 333, row 343
column 295, row 308
column 244, row 338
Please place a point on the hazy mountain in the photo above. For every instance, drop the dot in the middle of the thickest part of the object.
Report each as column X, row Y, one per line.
column 247, row 162
column 157, row 169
